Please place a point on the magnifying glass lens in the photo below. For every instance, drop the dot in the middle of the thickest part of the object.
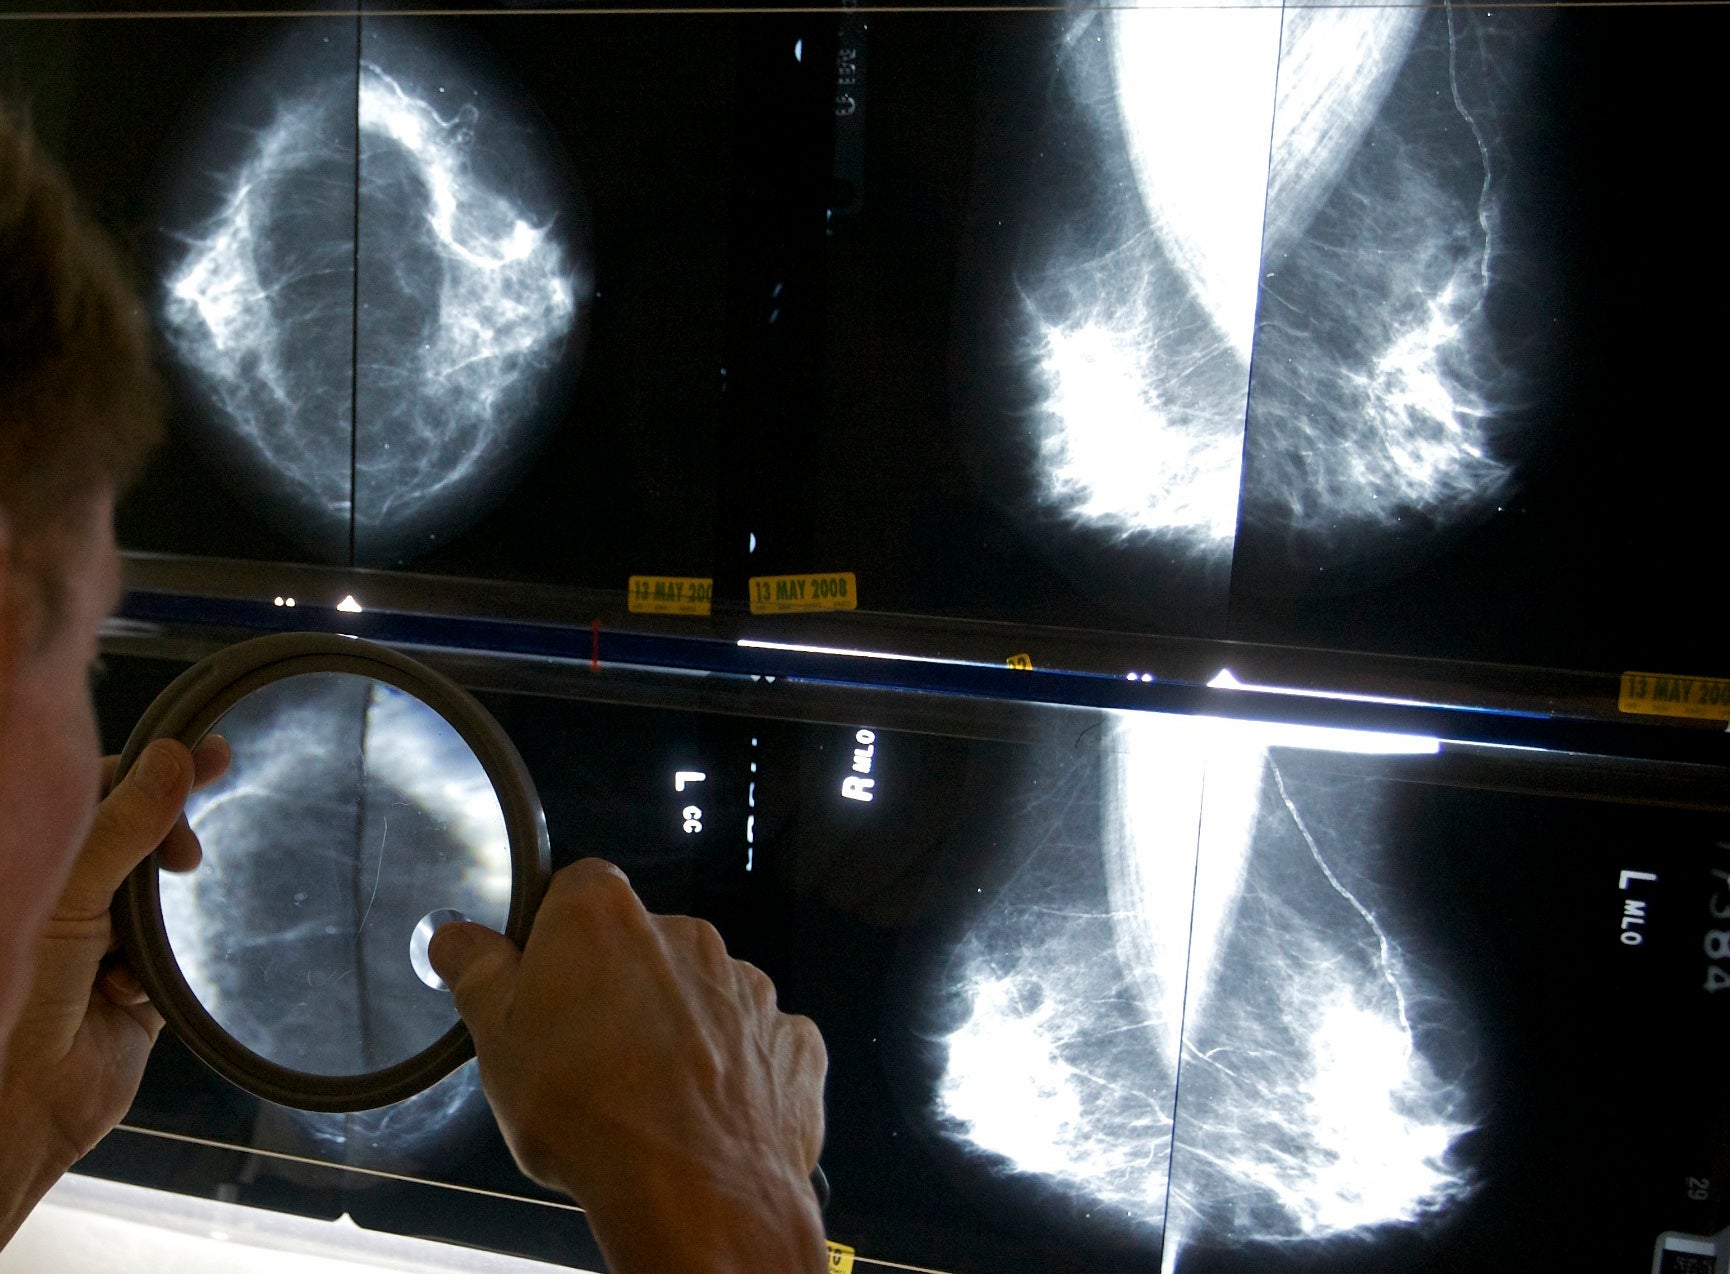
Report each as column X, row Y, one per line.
column 352, row 815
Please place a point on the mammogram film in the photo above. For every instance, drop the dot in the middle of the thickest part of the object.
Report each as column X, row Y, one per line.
column 1151, row 318
column 1126, row 990
column 1312, row 190
column 1216, row 939
column 377, row 305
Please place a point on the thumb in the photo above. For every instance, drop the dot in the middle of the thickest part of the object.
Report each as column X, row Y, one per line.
column 131, row 821
column 480, row 967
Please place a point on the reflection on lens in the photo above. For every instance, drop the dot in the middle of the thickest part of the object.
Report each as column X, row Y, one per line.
column 350, row 811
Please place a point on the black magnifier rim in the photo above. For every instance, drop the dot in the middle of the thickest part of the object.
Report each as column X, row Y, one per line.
column 187, row 710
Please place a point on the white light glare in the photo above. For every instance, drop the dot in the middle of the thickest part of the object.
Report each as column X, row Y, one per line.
column 1225, row 680
column 1272, row 734
column 799, row 648
column 349, row 606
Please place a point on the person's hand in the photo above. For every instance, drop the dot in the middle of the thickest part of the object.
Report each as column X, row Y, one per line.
column 636, row 1066
column 75, row 1058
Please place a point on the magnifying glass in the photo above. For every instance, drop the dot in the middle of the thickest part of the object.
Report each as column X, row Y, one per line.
column 369, row 800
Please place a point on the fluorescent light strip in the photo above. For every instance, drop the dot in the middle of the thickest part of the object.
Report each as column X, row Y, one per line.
column 1224, row 680
column 1317, row 738
column 796, row 648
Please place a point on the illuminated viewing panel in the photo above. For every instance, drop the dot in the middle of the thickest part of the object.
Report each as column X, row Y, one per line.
column 1351, row 328
column 1311, row 325
column 1100, row 990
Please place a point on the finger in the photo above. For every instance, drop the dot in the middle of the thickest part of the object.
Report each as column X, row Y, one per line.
column 809, row 1070
column 754, row 987
column 147, row 1016
column 588, row 898
column 131, row 821
column 120, row 986
column 479, row 966
column 589, row 871
column 700, row 944
column 210, row 760
column 180, row 850
column 811, row 1054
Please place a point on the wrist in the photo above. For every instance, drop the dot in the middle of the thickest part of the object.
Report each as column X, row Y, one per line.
column 672, row 1215
column 31, row 1163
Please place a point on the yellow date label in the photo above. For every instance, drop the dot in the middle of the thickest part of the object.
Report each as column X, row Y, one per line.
column 1660, row 695
column 785, row 594
column 669, row 595
column 840, row 1259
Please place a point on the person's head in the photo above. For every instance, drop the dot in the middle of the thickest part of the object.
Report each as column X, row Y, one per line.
column 79, row 410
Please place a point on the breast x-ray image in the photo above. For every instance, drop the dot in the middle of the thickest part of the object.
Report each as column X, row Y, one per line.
column 1161, row 281
column 1315, row 325
column 1099, row 989
column 1251, row 295
column 353, row 811
column 438, row 291
column 1454, row 336
column 1277, row 1013
column 1313, row 190
column 1323, row 326
column 1213, row 1031
column 387, row 286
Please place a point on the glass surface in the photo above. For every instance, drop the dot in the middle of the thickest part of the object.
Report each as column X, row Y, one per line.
column 351, row 811
column 1320, row 329
column 1128, row 991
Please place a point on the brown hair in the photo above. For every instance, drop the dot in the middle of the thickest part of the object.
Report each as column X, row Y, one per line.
column 80, row 404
